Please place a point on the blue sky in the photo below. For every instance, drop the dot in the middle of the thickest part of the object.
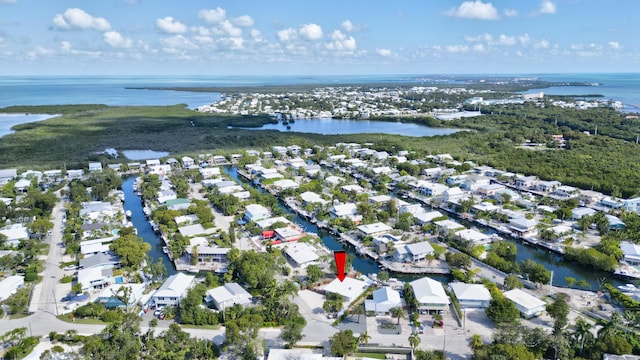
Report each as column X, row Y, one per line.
column 329, row 37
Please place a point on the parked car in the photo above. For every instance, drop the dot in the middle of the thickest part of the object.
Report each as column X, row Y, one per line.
column 158, row 312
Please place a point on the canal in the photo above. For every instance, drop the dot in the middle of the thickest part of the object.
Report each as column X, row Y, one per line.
column 551, row 261
column 133, row 203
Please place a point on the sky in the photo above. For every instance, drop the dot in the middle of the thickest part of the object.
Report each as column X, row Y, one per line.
column 328, row 37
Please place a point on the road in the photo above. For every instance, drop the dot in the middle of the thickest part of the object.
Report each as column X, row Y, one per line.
column 47, row 293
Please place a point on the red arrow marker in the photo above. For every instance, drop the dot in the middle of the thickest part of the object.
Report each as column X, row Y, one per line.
column 341, row 261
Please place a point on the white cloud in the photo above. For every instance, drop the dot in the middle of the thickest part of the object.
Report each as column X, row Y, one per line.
column 456, row 48
column 483, row 37
column 542, row 44
column 510, row 12
column 547, row 7
column 176, row 43
column 78, row 19
column 311, row 32
column 243, row 21
column 168, row 25
column 8, row 1
column 230, row 30
column 347, row 26
column 212, row 16
column 255, row 35
column 614, row 45
column 475, row 10
column 201, row 30
column 506, row 40
column 287, row 35
column 524, row 39
column 384, row 52
column 65, row 46
column 341, row 42
column 116, row 40
column 478, row 47
column 233, row 42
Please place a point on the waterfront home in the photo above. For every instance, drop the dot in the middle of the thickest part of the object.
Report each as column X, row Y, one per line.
column 471, row 295
column 432, row 189
column 580, row 212
column 446, row 227
column 301, row 254
column 14, row 234
column 384, row 299
column 430, row 295
column 333, row 180
column 160, row 169
column 451, row 195
column 608, row 203
column 475, row 182
column 528, row 305
column 97, row 210
column 256, row 212
column 473, row 236
column 412, row 209
column 242, row 195
column 615, row 223
column 525, row 182
column 178, row 204
column 111, row 296
column 75, row 174
column 490, row 190
column 228, row 295
column 348, row 210
column 285, row 184
column 209, row 254
column 426, row 217
column 565, row 192
column 349, row 288
column 547, row 186
column 630, row 253
column 209, row 172
column 95, row 167
column 187, row 162
column 380, row 242
column 632, row 204
column 375, row 229
column 523, row 227
column 266, row 223
column 173, row 290
column 218, row 160
column 309, row 197
column 484, row 207
column 101, row 260
column 418, row 251
column 186, row 219
column 95, row 278
column 166, row 195
column 10, row 285
column 191, row 230
column 289, row 233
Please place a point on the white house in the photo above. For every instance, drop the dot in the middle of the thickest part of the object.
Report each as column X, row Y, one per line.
column 429, row 294
column 419, row 251
column 375, row 229
column 523, row 227
column 9, row 286
column 256, row 212
column 528, row 305
column 348, row 210
column 285, row 184
column 15, row 233
column 173, row 290
column 95, row 167
column 384, row 299
column 471, row 295
column 95, row 278
column 630, row 252
column 473, row 236
column 447, row 226
column 349, row 289
column 579, row 213
column 452, row 194
column 309, row 197
column 191, row 230
column 228, row 295
column 301, row 254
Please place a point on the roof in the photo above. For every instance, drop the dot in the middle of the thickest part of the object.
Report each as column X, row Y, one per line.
column 350, row 288
column 524, row 299
column 8, row 173
column 449, row 225
column 386, row 295
column 422, row 247
column 15, row 232
column 429, row 291
column 472, row 235
column 175, row 286
column 374, row 228
column 85, row 276
column 473, row 292
column 99, row 260
column 301, row 253
column 191, row 230
column 229, row 292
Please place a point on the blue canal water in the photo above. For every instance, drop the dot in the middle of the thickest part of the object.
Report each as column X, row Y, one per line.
column 132, row 202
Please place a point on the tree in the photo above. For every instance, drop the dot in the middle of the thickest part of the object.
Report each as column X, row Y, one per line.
column 502, row 310
column 291, row 334
column 559, row 311
column 414, row 340
column 475, row 342
column 131, row 249
column 314, row 273
column 536, row 272
column 397, row 312
column 40, row 227
column 364, row 338
column 343, row 343
column 512, row 282
column 582, row 332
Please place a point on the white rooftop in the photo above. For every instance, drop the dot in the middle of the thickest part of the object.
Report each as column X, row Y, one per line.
column 523, row 299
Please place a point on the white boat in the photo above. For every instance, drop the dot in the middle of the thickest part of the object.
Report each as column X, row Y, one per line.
column 193, row 270
column 628, row 288
column 165, row 249
column 128, row 213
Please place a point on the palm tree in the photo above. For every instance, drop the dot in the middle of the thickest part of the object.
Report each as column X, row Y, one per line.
column 582, row 332
column 358, row 310
column 414, row 340
column 364, row 338
column 397, row 312
column 631, row 317
column 169, row 312
column 476, row 342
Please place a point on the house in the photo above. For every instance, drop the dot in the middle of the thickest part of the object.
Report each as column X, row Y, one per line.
column 10, row 285
column 15, row 233
column 375, row 229
column 301, row 254
column 173, row 290
column 490, row 190
column 523, row 227
column 96, row 210
column 444, row 227
column 95, row 278
column 187, row 162
column 615, row 223
column 191, row 230
column 267, row 223
column 475, row 182
column 289, row 233
column 471, row 295
column 349, row 288
column 256, row 212
column 630, row 253
column 429, row 294
column 476, row 237
column 547, row 186
column 431, row 172
column 525, row 182
column 166, row 195
column 566, row 192
column 285, row 184
column 22, row 185
column 333, row 180
column 433, row 189
column 95, row 167
column 382, row 170
column 456, row 179
column 580, row 212
column 7, row 175
column 380, row 242
column 74, row 174
column 209, row 172
column 528, row 305
column 348, row 210
column 111, row 296
column 228, row 295
column 380, row 200
column 452, row 194
column 419, row 251
column 102, row 261
column 384, row 299
column 210, row 254
column 632, row 204
column 484, row 207
column 426, row 217
column 178, row 204
column 185, row 219
column 309, row 197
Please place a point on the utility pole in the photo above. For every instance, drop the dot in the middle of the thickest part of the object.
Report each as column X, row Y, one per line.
column 551, row 283
column 55, row 302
